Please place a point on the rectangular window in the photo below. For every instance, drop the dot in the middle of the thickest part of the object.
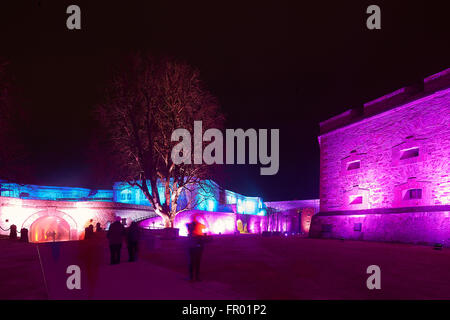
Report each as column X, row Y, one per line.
column 231, row 199
column 354, row 165
column 357, row 227
column 413, row 194
column 356, row 199
column 409, row 153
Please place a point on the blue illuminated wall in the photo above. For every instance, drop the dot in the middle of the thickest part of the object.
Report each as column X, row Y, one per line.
column 124, row 193
column 35, row 192
column 244, row 204
column 209, row 198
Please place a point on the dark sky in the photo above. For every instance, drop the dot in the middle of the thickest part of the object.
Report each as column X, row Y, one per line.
column 275, row 65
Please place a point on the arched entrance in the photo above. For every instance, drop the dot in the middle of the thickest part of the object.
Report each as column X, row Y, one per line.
column 49, row 228
column 41, row 222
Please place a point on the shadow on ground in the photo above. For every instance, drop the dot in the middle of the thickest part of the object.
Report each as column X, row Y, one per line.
column 233, row 267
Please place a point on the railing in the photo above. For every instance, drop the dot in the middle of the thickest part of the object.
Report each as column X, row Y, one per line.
column 144, row 218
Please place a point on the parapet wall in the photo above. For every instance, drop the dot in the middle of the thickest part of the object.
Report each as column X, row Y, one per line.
column 420, row 89
column 373, row 163
column 75, row 215
column 385, row 169
column 425, row 226
column 215, row 222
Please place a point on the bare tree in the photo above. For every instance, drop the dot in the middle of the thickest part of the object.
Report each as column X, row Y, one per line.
column 145, row 103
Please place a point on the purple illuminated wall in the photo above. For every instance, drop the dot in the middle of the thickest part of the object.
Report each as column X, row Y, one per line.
column 393, row 154
column 292, row 216
column 287, row 217
column 418, row 227
column 215, row 222
column 378, row 144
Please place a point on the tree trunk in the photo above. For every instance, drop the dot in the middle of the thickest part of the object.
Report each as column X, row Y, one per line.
column 168, row 220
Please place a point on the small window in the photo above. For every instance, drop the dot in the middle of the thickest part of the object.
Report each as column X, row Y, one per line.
column 354, row 165
column 356, row 200
column 409, row 153
column 231, row 199
column 357, row 227
column 413, row 194
column 125, row 195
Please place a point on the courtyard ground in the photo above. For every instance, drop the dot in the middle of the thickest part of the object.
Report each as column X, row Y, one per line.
column 233, row 267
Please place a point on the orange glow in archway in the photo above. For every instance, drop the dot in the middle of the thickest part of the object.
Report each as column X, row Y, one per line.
column 49, row 228
column 306, row 217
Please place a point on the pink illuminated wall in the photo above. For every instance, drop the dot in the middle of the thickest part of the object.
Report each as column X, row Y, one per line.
column 292, row 216
column 385, row 172
column 405, row 147
column 420, row 227
column 215, row 222
column 66, row 219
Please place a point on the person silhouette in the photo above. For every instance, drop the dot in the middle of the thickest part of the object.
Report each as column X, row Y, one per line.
column 89, row 232
column 195, row 247
column 51, row 234
column 98, row 227
column 13, row 232
column 114, row 235
column 90, row 256
column 132, row 241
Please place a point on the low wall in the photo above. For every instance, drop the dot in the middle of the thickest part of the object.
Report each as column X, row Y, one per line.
column 419, row 225
column 75, row 216
column 215, row 222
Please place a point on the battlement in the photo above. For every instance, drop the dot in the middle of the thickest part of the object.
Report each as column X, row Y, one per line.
column 420, row 89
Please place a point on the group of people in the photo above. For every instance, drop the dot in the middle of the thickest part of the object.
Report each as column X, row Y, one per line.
column 115, row 236
column 117, row 233
column 89, row 231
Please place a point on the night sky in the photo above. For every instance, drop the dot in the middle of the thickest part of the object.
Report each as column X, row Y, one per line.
column 275, row 65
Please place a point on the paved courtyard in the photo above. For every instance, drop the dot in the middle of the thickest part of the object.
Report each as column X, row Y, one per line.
column 233, row 267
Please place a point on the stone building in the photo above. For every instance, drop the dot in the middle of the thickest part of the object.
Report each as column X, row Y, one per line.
column 68, row 211
column 384, row 168
column 291, row 216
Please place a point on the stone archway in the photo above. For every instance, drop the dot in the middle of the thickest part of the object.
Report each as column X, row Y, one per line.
column 50, row 225
column 49, row 228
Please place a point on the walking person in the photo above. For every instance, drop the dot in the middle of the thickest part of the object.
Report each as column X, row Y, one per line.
column 132, row 241
column 91, row 258
column 115, row 234
column 195, row 247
